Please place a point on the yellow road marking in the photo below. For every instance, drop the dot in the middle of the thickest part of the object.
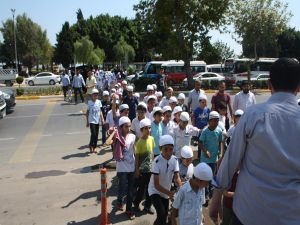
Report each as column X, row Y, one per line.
column 28, row 146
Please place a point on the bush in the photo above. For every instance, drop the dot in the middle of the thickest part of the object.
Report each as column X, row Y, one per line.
column 20, row 91
column 209, row 84
column 56, row 90
column 130, row 70
column 260, row 84
column 19, row 80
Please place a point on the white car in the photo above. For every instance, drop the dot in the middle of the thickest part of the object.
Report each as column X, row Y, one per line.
column 205, row 76
column 262, row 76
column 43, row 78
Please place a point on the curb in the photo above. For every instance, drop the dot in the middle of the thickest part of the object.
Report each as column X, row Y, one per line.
column 37, row 97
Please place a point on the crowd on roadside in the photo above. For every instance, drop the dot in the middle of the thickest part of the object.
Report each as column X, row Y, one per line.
column 152, row 140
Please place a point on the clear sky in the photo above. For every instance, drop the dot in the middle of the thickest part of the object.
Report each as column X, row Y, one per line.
column 51, row 14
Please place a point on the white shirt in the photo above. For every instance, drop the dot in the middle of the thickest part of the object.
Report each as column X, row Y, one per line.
column 169, row 128
column 189, row 204
column 166, row 170
column 164, row 102
column 94, row 109
column 110, row 119
column 149, row 115
column 128, row 163
column 193, row 99
column 135, row 127
column 265, row 146
column 183, row 137
column 243, row 101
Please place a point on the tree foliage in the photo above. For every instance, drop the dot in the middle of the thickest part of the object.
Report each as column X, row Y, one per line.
column 258, row 23
column 32, row 42
column 289, row 43
column 180, row 25
column 85, row 52
column 124, row 52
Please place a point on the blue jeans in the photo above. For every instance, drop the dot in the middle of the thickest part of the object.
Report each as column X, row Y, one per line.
column 126, row 186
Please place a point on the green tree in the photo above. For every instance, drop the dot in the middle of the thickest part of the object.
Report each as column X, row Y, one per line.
column 289, row 43
column 64, row 49
column 258, row 23
column 180, row 25
column 32, row 41
column 86, row 54
column 124, row 52
column 83, row 48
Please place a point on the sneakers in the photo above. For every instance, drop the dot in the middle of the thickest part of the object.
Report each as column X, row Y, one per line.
column 149, row 210
column 130, row 215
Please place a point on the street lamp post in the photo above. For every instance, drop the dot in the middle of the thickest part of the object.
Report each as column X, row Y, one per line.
column 15, row 39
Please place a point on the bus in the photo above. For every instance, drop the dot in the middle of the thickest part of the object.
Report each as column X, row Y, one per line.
column 216, row 68
column 175, row 71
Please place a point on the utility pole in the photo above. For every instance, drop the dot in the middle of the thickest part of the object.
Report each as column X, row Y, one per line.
column 15, row 39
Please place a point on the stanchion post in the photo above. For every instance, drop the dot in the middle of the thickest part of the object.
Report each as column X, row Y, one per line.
column 104, row 213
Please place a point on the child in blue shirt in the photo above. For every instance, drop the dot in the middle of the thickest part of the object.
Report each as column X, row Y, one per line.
column 200, row 117
column 211, row 144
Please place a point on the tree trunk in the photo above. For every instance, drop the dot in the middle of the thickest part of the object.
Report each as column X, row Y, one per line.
column 255, row 50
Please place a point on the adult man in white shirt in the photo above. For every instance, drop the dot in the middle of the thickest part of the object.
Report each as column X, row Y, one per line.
column 265, row 149
column 244, row 98
column 193, row 99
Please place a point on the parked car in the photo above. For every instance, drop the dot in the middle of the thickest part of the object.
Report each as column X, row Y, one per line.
column 43, row 78
column 2, row 107
column 262, row 76
column 131, row 78
column 9, row 96
column 205, row 76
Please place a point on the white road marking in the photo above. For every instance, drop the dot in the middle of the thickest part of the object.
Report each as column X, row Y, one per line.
column 7, row 139
column 46, row 135
column 76, row 132
column 55, row 114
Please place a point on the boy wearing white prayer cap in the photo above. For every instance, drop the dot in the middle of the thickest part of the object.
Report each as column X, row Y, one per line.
column 187, row 205
column 186, row 167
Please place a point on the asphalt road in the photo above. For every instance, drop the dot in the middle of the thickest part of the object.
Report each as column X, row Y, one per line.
column 45, row 165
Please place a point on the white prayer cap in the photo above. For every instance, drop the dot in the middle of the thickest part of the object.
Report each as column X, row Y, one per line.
column 203, row 172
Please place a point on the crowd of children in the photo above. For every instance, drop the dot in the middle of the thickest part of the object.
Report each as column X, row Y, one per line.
column 154, row 157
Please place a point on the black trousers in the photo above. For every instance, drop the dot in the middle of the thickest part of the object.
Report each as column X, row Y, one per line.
column 103, row 130
column 76, row 90
column 65, row 90
column 94, row 134
column 142, row 190
column 161, row 206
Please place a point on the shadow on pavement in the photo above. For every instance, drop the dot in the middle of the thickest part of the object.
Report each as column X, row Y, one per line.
column 76, row 155
column 83, row 147
column 104, row 150
column 91, row 221
column 87, row 195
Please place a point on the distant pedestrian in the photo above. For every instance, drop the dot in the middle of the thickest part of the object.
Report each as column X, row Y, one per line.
column 156, row 128
column 131, row 101
column 141, row 112
column 106, row 107
column 165, row 100
column 65, row 80
column 200, row 118
column 165, row 169
column 193, row 98
column 244, row 98
column 94, row 117
column 181, row 99
column 167, row 123
column 221, row 97
column 90, row 84
column 78, row 83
